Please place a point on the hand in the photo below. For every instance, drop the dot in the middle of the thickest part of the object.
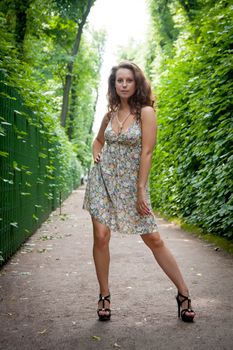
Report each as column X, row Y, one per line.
column 141, row 204
column 97, row 158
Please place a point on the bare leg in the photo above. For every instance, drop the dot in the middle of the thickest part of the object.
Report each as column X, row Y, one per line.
column 101, row 257
column 166, row 261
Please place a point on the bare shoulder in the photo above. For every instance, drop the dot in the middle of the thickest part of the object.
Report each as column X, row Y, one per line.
column 147, row 114
column 107, row 117
column 105, row 120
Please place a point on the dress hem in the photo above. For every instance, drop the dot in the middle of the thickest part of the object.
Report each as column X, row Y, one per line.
column 114, row 229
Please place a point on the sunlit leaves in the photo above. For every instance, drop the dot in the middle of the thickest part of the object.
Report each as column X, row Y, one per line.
column 192, row 171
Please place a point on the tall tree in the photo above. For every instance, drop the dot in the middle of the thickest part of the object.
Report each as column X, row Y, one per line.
column 68, row 79
column 16, row 14
column 21, row 7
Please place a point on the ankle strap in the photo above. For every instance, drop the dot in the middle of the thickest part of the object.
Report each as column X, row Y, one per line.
column 107, row 297
column 185, row 297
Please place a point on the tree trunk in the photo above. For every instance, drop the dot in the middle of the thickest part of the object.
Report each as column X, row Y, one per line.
column 70, row 128
column 189, row 6
column 21, row 8
column 92, row 121
column 68, row 78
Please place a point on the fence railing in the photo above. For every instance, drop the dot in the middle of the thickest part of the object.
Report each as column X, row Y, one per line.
column 28, row 189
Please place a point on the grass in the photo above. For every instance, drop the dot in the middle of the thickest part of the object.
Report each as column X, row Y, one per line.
column 218, row 241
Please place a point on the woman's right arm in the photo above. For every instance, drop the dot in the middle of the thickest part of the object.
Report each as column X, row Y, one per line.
column 98, row 143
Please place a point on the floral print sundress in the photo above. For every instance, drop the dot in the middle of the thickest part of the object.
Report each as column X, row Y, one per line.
column 111, row 191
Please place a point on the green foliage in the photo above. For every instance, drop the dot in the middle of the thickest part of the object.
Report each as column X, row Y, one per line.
column 85, row 93
column 72, row 9
column 41, row 162
column 192, row 171
column 163, row 24
column 50, row 35
column 133, row 51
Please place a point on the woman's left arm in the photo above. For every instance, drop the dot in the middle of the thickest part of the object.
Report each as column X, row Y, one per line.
column 149, row 133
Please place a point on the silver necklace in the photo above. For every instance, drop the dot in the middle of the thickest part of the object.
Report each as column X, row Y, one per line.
column 121, row 124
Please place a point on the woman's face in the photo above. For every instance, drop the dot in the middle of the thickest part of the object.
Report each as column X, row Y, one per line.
column 125, row 83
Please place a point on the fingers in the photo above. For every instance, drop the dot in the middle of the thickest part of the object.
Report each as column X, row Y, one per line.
column 97, row 158
column 143, row 209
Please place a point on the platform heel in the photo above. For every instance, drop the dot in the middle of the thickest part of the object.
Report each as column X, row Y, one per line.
column 107, row 316
column 182, row 313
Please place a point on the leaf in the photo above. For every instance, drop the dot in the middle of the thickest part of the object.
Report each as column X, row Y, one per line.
column 17, row 112
column 42, row 155
column 11, row 182
column 46, row 237
column 14, row 224
column 7, row 96
column 41, row 250
column 5, row 123
column 15, row 166
column 95, row 337
column 4, row 154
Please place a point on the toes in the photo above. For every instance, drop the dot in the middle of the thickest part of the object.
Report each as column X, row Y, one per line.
column 103, row 313
column 189, row 313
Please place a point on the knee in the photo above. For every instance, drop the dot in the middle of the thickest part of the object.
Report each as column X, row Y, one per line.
column 153, row 240
column 101, row 238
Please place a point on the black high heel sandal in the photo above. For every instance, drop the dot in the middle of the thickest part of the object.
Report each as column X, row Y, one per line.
column 183, row 313
column 107, row 316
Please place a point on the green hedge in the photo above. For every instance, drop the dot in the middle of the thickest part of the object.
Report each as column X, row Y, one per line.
column 192, row 170
column 38, row 167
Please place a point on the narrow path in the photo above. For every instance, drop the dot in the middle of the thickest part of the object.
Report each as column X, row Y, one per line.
column 48, row 291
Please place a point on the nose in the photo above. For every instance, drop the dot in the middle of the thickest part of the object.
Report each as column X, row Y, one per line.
column 124, row 83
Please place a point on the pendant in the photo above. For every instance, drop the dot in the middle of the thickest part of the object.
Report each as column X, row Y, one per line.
column 121, row 124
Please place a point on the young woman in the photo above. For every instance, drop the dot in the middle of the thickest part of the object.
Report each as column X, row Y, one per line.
column 117, row 194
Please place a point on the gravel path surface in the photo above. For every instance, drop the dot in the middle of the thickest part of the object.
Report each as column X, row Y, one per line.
column 48, row 291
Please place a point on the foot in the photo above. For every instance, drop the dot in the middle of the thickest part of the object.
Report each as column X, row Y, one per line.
column 184, row 307
column 104, row 311
column 106, row 305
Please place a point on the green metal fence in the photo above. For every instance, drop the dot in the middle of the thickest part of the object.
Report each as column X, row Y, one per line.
column 28, row 191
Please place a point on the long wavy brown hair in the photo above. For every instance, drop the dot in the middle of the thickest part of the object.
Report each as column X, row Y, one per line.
column 142, row 96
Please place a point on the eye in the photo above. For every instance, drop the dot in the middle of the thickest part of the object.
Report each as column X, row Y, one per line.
column 119, row 80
